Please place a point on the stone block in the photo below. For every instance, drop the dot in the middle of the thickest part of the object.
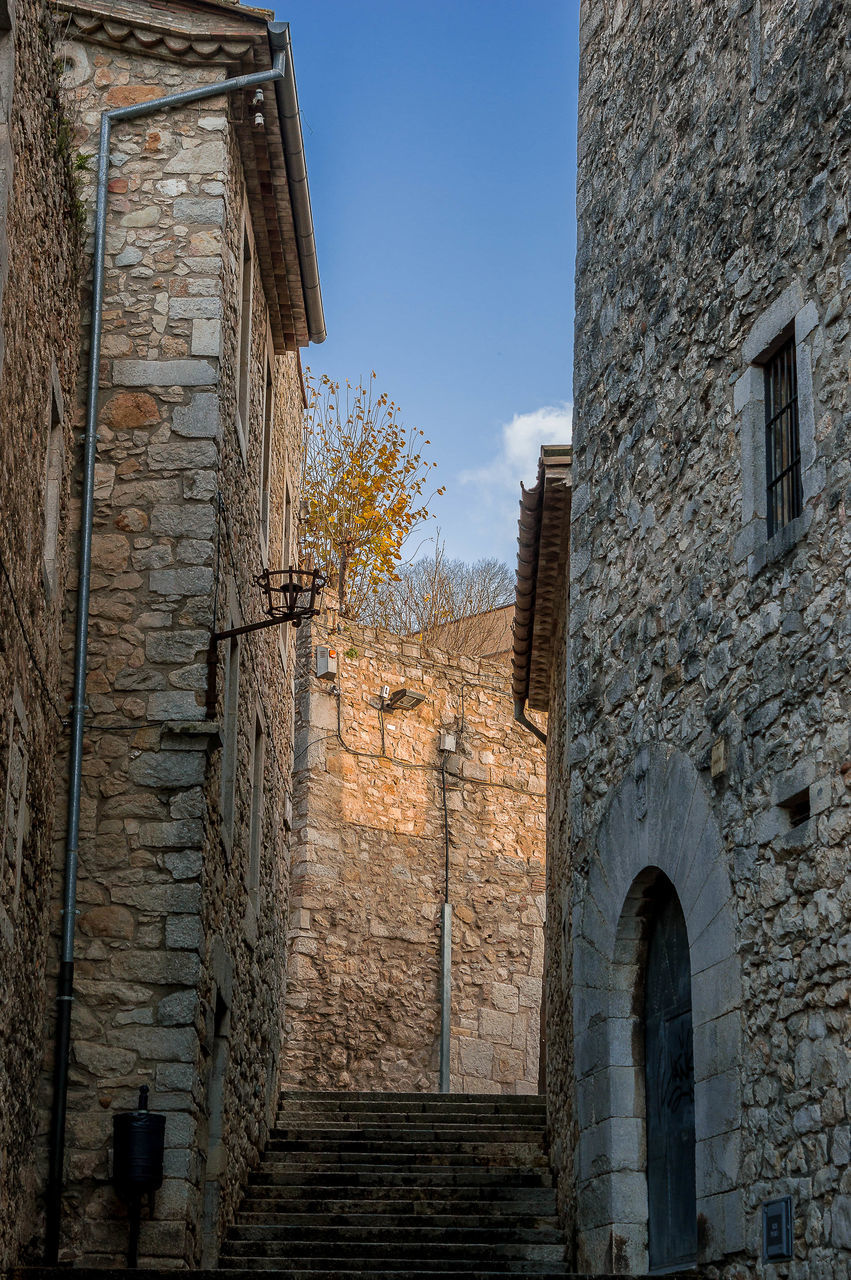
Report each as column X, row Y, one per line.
column 168, row 769
column 164, row 373
column 159, row 898
column 128, row 410
column 162, row 1239
column 108, row 922
column 175, row 1076
column 178, row 1009
column 128, row 257
column 184, row 932
column 495, row 1026
column 717, row 1045
column 476, row 1057
column 717, row 1104
column 718, row 1162
column 203, row 158
column 196, row 580
column 206, row 337
column 187, row 832
column 103, row 1061
column 157, row 1044
column 176, row 647
column 181, row 456
column 204, row 209
column 195, row 309
column 184, row 864
column 505, row 997
column 197, row 520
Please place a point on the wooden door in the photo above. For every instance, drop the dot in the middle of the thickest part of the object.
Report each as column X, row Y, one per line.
column 669, row 1080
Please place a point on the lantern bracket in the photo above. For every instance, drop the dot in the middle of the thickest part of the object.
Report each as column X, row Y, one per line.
column 290, row 595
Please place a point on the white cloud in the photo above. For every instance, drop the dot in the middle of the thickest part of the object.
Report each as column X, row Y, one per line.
column 496, row 484
column 522, row 437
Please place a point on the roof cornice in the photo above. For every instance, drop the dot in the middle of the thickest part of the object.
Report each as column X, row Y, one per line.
column 542, row 555
column 223, row 34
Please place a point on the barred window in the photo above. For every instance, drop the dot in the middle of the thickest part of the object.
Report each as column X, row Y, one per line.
column 782, row 441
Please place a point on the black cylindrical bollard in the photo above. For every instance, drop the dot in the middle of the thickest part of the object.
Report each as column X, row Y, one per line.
column 138, row 1139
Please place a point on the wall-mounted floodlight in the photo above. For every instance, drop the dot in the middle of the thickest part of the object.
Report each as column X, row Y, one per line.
column 401, row 700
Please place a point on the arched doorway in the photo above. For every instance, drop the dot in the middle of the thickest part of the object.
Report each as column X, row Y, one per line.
column 669, row 1085
column 657, row 828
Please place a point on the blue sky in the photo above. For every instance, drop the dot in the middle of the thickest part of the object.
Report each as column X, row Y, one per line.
column 441, row 149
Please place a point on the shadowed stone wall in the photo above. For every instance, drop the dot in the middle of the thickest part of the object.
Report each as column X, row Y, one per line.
column 708, row 662
column 186, row 791
column 39, row 307
column 368, row 873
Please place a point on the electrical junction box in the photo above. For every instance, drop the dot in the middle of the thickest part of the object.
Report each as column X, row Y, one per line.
column 326, row 662
column 447, row 742
column 777, row 1229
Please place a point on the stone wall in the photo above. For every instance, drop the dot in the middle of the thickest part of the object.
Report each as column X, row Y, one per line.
column 39, row 269
column 708, row 664
column 368, row 873
column 183, row 871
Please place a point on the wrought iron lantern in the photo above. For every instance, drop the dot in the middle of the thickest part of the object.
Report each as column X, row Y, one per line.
column 289, row 595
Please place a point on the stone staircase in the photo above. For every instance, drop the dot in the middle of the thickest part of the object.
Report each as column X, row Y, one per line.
column 401, row 1186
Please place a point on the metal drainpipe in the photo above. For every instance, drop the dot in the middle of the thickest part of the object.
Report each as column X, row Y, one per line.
column 65, row 984
column 521, row 718
column 445, row 949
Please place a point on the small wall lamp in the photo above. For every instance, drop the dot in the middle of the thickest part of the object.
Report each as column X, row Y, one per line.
column 401, row 700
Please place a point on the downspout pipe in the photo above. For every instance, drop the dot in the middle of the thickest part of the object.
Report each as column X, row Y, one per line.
column 445, row 948
column 521, row 718
column 65, row 983
column 286, row 95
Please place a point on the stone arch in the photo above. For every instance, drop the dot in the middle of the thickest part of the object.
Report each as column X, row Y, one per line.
column 657, row 820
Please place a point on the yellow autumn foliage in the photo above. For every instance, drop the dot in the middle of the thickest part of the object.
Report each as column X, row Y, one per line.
column 365, row 487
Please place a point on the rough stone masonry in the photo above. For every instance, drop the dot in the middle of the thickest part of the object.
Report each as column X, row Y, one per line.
column 186, row 791
column 363, row 991
column 705, row 723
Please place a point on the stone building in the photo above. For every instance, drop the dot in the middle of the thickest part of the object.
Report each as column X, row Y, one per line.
column 699, row 756
column 39, row 282
column 370, row 835
column 209, row 290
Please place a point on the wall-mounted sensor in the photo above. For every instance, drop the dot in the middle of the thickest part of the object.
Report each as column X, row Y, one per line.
column 447, row 742
column 326, row 662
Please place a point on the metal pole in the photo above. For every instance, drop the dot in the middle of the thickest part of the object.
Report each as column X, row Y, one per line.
column 65, row 983
column 445, row 993
column 445, row 949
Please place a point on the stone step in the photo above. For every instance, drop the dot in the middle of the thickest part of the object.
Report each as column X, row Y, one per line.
column 366, row 1215
column 285, row 1174
column 300, row 1097
column 540, row 1201
column 294, row 1251
column 419, row 1129
column 343, row 1269
column 401, row 1185
column 421, row 1104
column 426, row 1232
column 517, row 1149
column 398, row 1159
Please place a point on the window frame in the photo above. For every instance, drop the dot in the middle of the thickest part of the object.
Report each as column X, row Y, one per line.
column 783, row 497
column 244, row 333
column 265, row 492
column 253, row 867
column 789, row 317
column 230, row 732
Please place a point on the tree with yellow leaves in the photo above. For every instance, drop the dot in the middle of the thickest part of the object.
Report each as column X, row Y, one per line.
column 364, row 488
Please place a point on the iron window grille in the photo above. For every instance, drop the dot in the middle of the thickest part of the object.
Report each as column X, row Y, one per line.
column 782, row 440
